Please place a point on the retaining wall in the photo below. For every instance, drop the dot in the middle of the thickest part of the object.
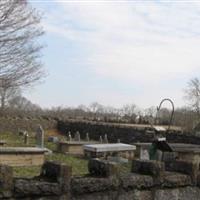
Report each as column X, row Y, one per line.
column 147, row 180
column 126, row 133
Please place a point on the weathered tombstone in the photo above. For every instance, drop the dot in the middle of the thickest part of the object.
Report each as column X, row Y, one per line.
column 69, row 137
column 26, row 136
column 118, row 141
column 100, row 139
column 144, row 154
column 87, row 138
column 77, row 136
column 105, row 138
column 40, row 137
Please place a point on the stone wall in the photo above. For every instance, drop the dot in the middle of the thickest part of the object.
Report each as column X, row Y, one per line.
column 147, row 180
column 126, row 134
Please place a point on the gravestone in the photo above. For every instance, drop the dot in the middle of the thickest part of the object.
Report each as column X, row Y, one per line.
column 69, row 136
column 77, row 136
column 100, row 139
column 105, row 138
column 40, row 137
column 144, row 154
column 87, row 137
column 26, row 136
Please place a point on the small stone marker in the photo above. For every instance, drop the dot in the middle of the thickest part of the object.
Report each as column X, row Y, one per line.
column 26, row 136
column 69, row 137
column 100, row 139
column 87, row 137
column 105, row 138
column 40, row 137
column 118, row 141
column 77, row 136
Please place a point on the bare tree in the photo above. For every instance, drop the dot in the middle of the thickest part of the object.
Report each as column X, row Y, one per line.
column 21, row 103
column 19, row 52
column 192, row 95
column 7, row 92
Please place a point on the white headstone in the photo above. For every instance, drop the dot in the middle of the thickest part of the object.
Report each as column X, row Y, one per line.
column 105, row 138
column 69, row 137
column 40, row 137
column 100, row 139
column 26, row 137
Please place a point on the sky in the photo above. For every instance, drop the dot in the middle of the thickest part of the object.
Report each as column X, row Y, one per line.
column 117, row 52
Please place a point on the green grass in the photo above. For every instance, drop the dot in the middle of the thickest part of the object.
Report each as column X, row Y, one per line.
column 79, row 165
column 26, row 172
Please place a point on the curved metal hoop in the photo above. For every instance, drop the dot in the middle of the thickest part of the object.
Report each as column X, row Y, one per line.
column 172, row 113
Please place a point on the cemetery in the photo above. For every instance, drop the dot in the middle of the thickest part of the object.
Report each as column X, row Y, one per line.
column 60, row 175
column 109, row 162
column 55, row 144
column 73, row 146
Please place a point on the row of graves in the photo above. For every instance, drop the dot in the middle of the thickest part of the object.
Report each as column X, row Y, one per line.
column 95, row 149
column 159, row 149
column 118, row 152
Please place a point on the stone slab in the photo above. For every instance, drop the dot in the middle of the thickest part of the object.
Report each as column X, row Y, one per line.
column 13, row 150
column 115, row 147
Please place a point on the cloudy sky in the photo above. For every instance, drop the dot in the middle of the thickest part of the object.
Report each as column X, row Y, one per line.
column 117, row 52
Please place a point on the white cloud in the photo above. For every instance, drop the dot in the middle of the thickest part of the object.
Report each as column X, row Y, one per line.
column 138, row 42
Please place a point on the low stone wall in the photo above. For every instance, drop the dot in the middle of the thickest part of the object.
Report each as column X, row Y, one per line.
column 148, row 180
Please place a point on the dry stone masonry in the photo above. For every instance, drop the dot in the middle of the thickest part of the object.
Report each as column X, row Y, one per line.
column 148, row 180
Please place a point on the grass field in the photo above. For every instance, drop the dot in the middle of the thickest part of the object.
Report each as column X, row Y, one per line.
column 79, row 165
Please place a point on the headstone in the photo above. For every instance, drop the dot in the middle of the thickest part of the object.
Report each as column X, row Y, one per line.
column 118, row 141
column 144, row 154
column 77, row 136
column 26, row 136
column 87, row 137
column 40, row 137
column 69, row 137
column 105, row 138
column 100, row 139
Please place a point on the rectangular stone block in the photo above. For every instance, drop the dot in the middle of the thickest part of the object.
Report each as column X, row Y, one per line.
column 184, row 167
column 102, row 168
column 58, row 172
column 6, row 177
column 148, row 167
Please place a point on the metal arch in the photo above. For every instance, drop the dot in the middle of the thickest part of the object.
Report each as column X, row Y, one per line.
column 172, row 113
